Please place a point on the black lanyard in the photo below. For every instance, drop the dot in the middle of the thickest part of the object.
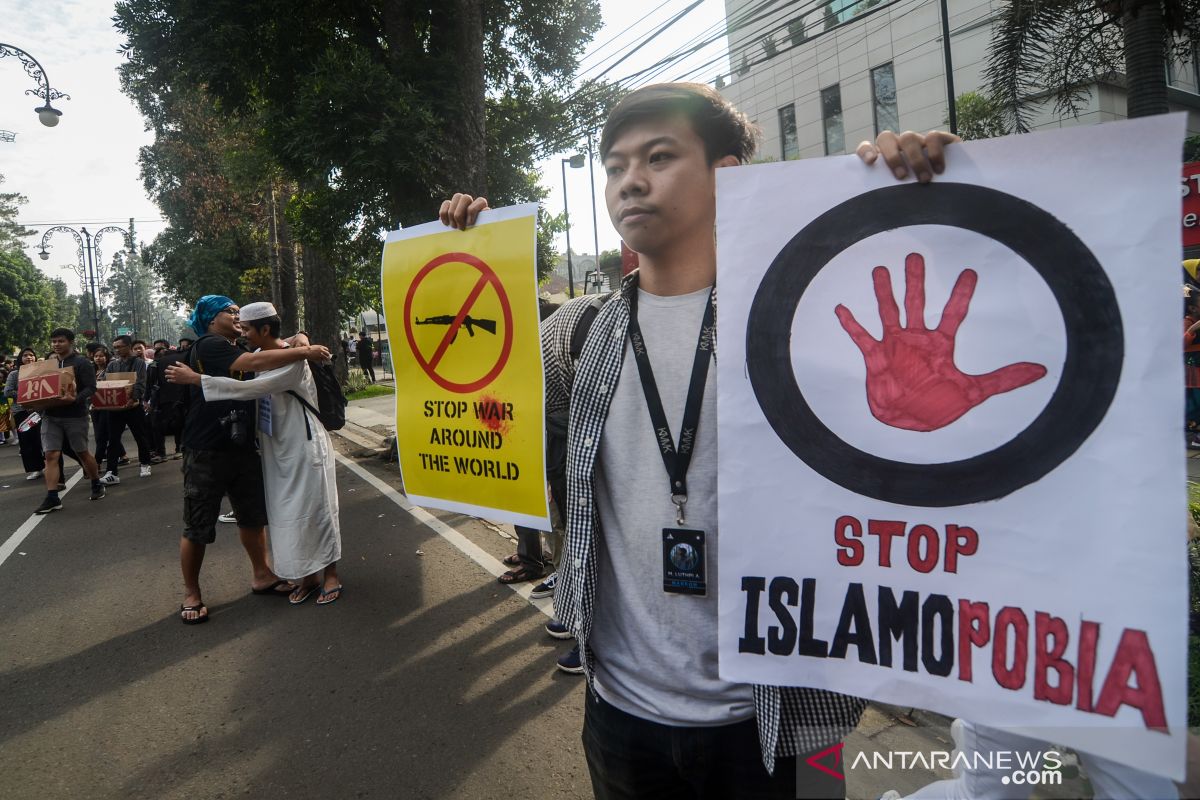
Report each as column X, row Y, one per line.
column 675, row 460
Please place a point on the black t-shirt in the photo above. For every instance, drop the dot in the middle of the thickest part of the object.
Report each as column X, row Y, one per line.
column 214, row 355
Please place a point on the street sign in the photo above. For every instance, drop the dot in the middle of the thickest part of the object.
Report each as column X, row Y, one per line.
column 123, row 331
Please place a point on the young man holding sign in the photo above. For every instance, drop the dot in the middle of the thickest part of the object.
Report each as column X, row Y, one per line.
column 637, row 584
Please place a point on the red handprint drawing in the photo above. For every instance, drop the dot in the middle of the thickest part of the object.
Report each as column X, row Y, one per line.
column 912, row 382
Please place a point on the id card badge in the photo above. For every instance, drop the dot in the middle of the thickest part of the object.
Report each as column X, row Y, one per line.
column 684, row 561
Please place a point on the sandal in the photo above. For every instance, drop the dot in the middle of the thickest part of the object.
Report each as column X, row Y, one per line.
column 274, row 588
column 302, row 593
column 196, row 620
column 511, row 561
column 519, row 575
column 324, row 598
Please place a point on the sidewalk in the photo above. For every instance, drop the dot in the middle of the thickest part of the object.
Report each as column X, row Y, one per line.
column 370, row 423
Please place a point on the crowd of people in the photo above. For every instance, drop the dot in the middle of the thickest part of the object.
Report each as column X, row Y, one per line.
column 47, row 435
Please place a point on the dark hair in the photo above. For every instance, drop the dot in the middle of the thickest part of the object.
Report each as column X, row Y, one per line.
column 25, row 350
column 163, row 342
column 724, row 130
column 270, row 323
column 125, row 339
column 186, row 339
column 92, row 347
column 102, row 351
column 142, row 342
column 63, row 333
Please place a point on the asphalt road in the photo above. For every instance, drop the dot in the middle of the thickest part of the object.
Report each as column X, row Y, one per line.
column 425, row 680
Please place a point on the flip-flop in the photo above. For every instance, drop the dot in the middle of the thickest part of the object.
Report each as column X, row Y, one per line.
column 273, row 588
column 199, row 619
column 335, row 591
column 305, row 593
column 519, row 575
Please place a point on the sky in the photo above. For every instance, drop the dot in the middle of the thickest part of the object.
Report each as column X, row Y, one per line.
column 84, row 171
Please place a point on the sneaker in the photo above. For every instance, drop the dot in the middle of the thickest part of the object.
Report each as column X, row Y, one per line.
column 157, row 459
column 110, row 479
column 545, row 588
column 48, row 505
column 62, row 486
column 227, row 518
column 97, row 492
column 33, row 476
column 558, row 630
column 570, row 662
column 122, row 461
column 144, row 472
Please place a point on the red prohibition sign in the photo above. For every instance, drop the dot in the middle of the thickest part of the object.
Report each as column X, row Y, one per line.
column 487, row 276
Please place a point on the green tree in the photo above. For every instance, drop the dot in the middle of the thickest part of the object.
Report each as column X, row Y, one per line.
column 376, row 111
column 25, row 294
column 979, row 116
column 1062, row 47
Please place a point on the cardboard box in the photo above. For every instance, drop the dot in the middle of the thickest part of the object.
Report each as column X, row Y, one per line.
column 114, row 392
column 43, row 384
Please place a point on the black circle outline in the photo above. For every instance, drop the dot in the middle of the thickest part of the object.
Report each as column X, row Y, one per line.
column 1091, row 370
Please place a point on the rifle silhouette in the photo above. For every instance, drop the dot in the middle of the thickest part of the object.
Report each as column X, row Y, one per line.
column 470, row 323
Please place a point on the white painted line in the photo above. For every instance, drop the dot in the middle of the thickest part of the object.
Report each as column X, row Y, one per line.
column 19, row 535
column 473, row 551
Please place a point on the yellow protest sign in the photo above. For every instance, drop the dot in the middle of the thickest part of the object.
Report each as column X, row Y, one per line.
column 462, row 316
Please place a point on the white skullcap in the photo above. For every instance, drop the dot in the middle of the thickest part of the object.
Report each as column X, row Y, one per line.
column 255, row 311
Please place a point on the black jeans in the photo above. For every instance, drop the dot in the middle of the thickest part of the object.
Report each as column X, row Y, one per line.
column 630, row 758
column 367, row 367
column 30, row 441
column 117, row 420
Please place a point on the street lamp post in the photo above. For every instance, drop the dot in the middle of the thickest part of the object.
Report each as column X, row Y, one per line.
column 90, row 272
column 576, row 161
column 47, row 113
column 595, row 230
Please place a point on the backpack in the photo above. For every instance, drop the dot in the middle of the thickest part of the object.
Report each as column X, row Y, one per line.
column 331, row 402
column 556, row 423
column 170, row 399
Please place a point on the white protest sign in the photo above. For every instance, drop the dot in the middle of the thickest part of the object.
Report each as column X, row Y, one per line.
column 951, row 463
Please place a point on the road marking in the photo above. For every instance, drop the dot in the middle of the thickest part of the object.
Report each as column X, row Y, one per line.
column 14, row 541
column 471, row 550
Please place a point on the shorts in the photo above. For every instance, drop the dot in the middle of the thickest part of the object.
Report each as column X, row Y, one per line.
column 209, row 475
column 72, row 430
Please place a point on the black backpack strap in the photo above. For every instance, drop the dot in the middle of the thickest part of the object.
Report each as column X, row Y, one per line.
column 584, row 326
column 307, row 405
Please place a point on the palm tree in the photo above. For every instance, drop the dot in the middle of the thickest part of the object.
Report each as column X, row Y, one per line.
column 1057, row 49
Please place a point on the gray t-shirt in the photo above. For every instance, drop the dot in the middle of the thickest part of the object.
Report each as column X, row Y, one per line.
column 656, row 653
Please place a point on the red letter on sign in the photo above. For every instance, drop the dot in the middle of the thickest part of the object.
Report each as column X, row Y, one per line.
column 886, row 531
column 1046, row 659
column 1134, row 656
column 974, row 628
column 851, row 552
column 959, row 541
column 1014, row 618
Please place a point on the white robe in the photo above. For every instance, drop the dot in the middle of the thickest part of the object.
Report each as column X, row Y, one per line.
column 298, row 472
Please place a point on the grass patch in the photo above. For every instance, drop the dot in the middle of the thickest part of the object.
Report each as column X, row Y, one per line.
column 372, row 390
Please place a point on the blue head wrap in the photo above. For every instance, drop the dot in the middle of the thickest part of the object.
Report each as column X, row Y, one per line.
column 206, row 311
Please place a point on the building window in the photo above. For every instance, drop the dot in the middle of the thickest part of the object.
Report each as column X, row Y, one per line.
column 790, row 147
column 831, row 113
column 883, row 89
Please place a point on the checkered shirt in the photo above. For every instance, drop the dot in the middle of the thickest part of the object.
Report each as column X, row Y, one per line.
column 791, row 721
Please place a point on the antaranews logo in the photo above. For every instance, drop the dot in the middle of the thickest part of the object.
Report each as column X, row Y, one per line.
column 1016, row 767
